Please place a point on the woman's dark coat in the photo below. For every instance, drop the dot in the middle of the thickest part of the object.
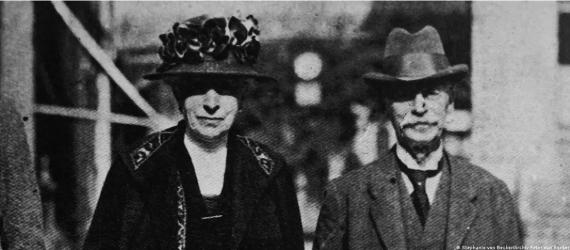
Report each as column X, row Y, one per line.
column 141, row 197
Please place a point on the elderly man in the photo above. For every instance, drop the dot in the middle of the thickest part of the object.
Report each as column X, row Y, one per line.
column 199, row 185
column 416, row 196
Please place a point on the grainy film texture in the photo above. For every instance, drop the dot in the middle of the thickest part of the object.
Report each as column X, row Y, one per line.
column 74, row 98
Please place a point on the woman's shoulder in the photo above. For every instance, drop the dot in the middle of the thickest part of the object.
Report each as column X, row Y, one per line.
column 136, row 154
column 268, row 160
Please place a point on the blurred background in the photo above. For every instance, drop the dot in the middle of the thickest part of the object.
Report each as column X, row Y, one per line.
column 78, row 83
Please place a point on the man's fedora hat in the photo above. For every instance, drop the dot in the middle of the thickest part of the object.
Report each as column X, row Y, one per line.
column 203, row 46
column 415, row 57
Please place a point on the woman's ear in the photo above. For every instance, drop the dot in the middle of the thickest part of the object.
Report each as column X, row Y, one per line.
column 181, row 108
column 246, row 87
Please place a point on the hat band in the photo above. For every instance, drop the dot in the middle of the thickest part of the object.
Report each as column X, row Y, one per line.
column 415, row 65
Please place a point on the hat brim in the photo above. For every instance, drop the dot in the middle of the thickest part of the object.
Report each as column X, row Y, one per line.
column 211, row 69
column 456, row 72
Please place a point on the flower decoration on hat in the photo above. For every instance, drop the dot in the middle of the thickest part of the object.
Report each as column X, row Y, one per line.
column 191, row 41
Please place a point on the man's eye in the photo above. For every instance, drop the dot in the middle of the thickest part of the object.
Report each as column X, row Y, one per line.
column 431, row 92
column 399, row 95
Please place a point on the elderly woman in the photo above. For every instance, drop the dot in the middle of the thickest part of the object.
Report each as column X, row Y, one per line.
column 199, row 185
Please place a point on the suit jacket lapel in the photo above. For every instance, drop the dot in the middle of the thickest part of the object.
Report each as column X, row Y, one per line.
column 249, row 182
column 463, row 197
column 436, row 225
column 385, row 207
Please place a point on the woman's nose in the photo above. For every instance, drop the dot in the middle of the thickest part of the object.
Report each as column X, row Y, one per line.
column 212, row 102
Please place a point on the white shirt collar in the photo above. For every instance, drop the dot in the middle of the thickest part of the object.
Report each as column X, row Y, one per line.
column 431, row 162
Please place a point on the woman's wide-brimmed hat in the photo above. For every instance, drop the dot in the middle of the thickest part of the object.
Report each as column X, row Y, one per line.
column 410, row 58
column 203, row 46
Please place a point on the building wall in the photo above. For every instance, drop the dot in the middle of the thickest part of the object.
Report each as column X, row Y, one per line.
column 515, row 110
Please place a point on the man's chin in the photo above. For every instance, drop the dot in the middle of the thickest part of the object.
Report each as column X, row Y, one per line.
column 420, row 145
column 421, row 140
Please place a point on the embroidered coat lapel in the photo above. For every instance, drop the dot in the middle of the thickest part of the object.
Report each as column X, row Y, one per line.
column 385, row 207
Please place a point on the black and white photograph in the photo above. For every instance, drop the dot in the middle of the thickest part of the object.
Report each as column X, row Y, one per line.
column 284, row 125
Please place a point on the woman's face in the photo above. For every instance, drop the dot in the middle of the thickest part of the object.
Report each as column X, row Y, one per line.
column 210, row 115
column 210, row 108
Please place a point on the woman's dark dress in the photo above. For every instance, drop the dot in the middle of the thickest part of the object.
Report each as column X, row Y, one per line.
column 209, row 226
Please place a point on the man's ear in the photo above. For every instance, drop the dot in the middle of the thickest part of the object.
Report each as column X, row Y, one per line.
column 385, row 106
column 450, row 107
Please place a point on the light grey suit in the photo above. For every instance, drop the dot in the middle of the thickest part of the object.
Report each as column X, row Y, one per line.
column 363, row 209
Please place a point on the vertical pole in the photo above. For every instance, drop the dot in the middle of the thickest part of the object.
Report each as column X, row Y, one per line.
column 102, row 136
column 103, row 150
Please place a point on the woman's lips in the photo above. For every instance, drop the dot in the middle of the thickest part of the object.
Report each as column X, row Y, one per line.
column 206, row 118
column 210, row 121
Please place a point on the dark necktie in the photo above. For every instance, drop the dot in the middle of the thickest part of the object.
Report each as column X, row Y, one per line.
column 419, row 196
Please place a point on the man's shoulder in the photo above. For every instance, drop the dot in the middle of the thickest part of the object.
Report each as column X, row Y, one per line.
column 355, row 180
column 382, row 166
column 476, row 174
column 467, row 167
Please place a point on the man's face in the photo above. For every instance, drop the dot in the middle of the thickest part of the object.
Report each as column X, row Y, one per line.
column 418, row 112
column 210, row 109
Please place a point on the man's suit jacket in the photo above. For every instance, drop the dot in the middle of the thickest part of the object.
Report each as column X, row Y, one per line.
column 362, row 210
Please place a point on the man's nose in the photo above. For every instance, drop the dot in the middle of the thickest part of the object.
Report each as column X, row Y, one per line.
column 419, row 104
column 211, row 101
